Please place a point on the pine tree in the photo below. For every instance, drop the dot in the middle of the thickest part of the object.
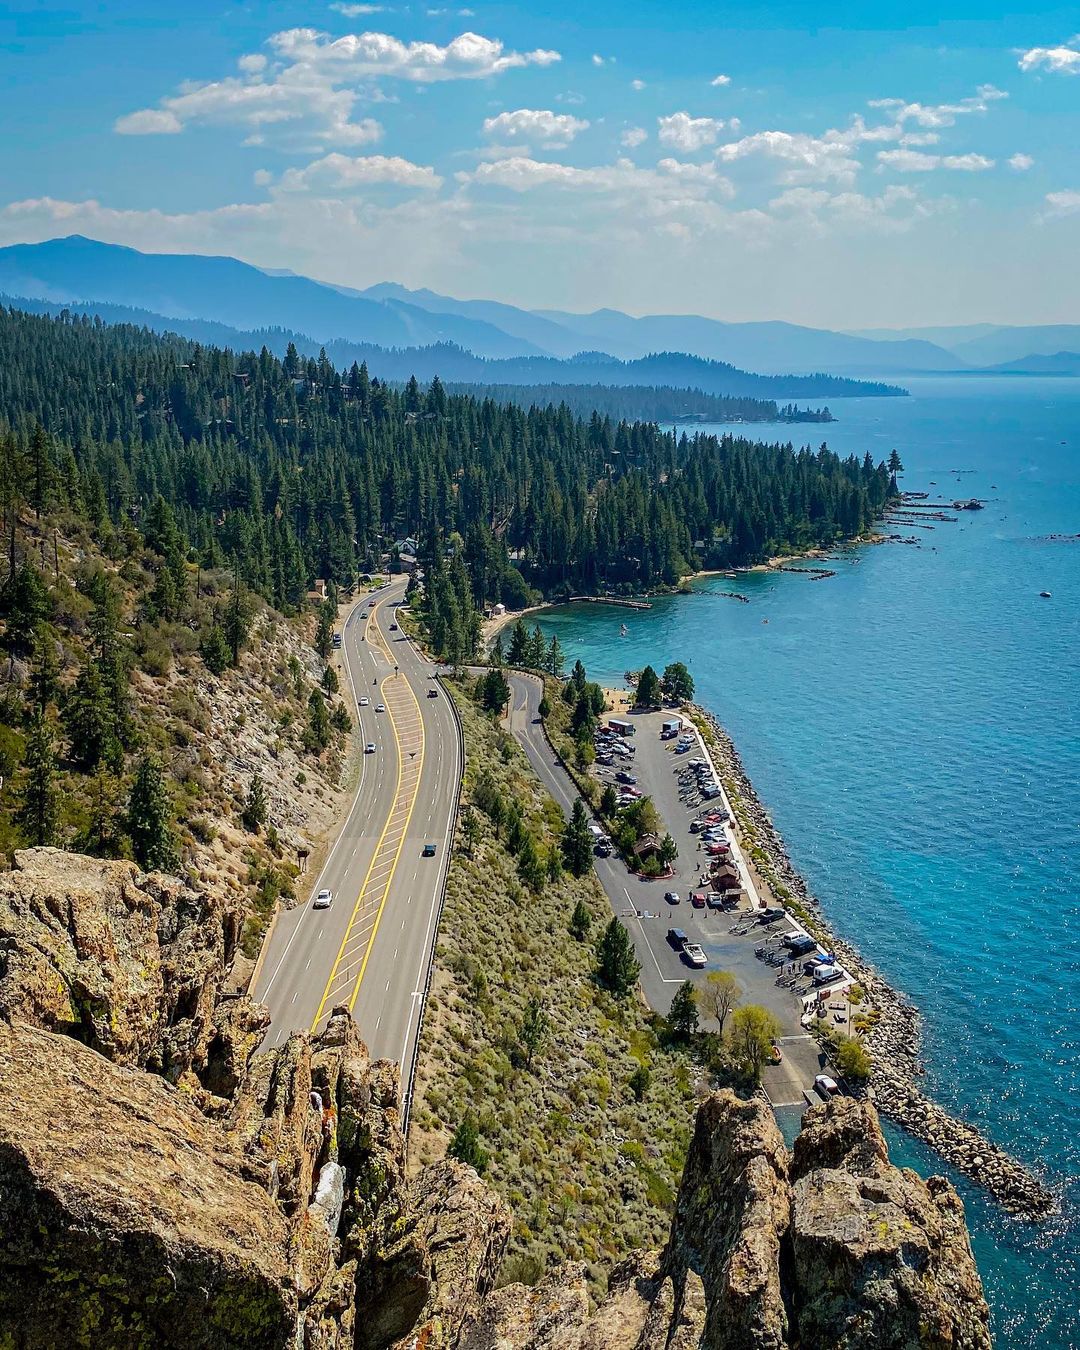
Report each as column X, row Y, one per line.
column 618, row 967
column 580, row 921
column 531, row 868
column 577, row 844
column 647, row 694
column 535, row 1026
column 214, row 649
column 682, row 1020
column 44, row 679
column 554, row 662
column 149, row 818
column 236, row 622
column 324, row 633
column 465, row 1145
column 90, row 723
column 317, row 734
column 518, row 653
column 253, row 816
column 39, row 811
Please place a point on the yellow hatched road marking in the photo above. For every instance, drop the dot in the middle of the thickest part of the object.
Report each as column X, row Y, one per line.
column 377, row 863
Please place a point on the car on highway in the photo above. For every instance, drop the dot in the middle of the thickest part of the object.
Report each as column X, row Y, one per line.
column 393, row 628
column 672, row 897
column 323, row 900
column 676, row 938
column 428, row 851
column 433, row 693
column 365, row 701
column 380, row 707
column 369, row 749
column 694, row 955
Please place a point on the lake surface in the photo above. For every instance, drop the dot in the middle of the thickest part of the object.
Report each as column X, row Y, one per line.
column 913, row 725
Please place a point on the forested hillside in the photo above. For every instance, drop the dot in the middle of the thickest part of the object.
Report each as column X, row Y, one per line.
column 290, row 470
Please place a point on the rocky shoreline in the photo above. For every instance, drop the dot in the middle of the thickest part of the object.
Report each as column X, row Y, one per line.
column 894, row 1039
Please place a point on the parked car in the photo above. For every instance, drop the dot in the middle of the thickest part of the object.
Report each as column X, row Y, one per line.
column 714, row 900
column 694, row 955
column 672, row 897
column 627, row 778
column 697, row 899
column 323, row 900
column 826, row 1086
column 603, row 849
column 676, row 938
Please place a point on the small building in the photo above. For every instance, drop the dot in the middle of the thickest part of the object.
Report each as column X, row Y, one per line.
column 498, row 609
column 318, row 591
column 648, row 846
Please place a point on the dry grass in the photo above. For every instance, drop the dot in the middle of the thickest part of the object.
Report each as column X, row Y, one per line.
column 589, row 1171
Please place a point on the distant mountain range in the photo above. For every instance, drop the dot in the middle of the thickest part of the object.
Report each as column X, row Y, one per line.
column 664, row 374
column 248, row 300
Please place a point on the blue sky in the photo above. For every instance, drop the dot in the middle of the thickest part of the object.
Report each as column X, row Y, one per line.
column 842, row 165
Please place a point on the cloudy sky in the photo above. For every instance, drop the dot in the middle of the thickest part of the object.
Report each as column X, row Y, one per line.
column 843, row 164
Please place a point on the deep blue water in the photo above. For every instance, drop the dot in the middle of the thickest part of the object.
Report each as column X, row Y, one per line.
column 913, row 724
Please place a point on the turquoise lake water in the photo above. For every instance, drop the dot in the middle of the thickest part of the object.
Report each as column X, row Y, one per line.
column 913, row 725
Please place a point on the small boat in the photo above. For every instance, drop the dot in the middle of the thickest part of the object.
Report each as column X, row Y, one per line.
column 1045, row 595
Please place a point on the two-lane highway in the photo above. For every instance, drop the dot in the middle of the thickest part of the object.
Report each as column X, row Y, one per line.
column 370, row 949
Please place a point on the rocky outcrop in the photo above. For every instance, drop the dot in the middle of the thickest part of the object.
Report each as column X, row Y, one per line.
column 128, row 963
column 881, row 1258
column 126, row 1216
column 831, row 1249
column 163, row 1184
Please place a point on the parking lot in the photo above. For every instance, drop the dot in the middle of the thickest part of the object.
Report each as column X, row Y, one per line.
column 666, row 771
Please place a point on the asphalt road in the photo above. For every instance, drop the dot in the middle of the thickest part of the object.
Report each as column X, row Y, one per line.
column 640, row 903
column 371, row 948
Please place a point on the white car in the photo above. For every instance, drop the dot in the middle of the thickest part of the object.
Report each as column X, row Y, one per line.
column 826, row 1085
column 695, row 955
column 369, row 749
column 380, row 707
column 323, row 900
column 365, row 701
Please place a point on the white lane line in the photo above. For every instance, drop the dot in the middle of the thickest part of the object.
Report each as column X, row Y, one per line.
column 344, row 829
column 648, row 944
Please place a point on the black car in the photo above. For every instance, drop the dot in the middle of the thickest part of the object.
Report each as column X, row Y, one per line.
column 676, row 938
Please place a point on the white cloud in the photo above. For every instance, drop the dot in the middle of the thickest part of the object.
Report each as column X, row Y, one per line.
column 337, row 171
column 1020, row 162
column 687, row 134
column 262, row 177
column 935, row 115
column 916, row 161
column 551, row 129
column 671, row 180
column 149, row 122
column 1062, row 204
column 310, row 89
column 637, row 85
column 632, row 137
column 358, row 11
column 1063, row 60
column 808, row 159
column 720, row 81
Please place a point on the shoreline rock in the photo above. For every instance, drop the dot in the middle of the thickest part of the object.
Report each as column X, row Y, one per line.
column 894, row 1041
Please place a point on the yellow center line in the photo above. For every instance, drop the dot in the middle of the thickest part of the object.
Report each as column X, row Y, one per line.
column 401, row 798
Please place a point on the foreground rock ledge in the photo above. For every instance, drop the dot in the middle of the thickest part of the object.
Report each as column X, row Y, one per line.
column 163, row 1185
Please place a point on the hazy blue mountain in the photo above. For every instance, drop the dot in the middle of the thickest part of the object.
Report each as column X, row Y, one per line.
column 989, row 344
column 664, row 371
column 1015, row 343
column 544, row 334
column 1054, row 363
column 223, row 290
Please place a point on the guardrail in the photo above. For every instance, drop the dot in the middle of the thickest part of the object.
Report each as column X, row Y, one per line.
column 406, row 1101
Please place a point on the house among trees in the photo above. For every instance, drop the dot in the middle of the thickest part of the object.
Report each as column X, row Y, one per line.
column 648, row 846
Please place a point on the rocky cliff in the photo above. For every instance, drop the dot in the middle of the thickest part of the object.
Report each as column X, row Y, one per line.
column 162, row 1184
